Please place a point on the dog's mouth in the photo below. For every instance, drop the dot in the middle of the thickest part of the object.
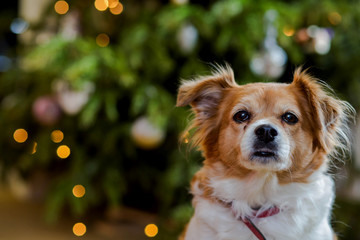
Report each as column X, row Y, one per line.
column 264, row 151
column 265, row 154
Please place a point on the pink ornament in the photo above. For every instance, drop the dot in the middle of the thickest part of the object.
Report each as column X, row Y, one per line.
column 46, row 110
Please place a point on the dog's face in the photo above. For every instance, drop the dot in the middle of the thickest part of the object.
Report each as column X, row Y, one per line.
column 261, row 126
column 284, row 128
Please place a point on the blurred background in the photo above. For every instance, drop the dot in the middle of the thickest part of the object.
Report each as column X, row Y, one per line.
column 89, row 129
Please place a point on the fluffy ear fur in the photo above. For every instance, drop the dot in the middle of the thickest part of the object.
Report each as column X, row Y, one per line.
column 205, row 92
column 329, row 114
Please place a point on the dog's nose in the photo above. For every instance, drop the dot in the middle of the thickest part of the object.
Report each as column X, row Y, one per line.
column 266, row 133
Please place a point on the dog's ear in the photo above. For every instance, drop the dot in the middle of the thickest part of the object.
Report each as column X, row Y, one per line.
column 204, row 93
column 328, row 114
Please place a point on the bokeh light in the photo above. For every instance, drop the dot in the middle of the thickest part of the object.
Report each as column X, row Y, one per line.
column 334, row 18
column 101, row 5
column 78, row 191
column 288, row 31
column 57, row 136
column 19, row 26
column 61, row 7
column 79, row 229
column 151, row 230
column 63, row 151
column 34, row 149
column 20, row 135
column 118, row 9
column 102, row 40
column 113, row 3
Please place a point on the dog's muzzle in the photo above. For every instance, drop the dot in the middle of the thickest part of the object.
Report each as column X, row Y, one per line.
column 265, row 144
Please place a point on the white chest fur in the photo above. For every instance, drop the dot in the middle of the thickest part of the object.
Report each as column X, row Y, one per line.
column 304, row 209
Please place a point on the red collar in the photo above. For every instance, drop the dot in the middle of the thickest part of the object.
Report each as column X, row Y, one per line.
column 267, row 213
column 247, row 220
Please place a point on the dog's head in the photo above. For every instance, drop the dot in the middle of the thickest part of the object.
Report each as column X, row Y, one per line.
column 288, row 129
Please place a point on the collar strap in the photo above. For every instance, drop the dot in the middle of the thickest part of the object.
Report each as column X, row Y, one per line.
column 252, row 227
column 268, row 213
column 247, row 220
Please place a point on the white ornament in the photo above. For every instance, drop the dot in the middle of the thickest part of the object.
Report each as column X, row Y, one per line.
column 271, row 60
column 72, row 101
column 187, row 38
column 322, row 41
column 70, row 26
column 145, row 134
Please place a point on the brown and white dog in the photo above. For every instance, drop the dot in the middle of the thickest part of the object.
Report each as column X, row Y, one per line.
column 267, row 149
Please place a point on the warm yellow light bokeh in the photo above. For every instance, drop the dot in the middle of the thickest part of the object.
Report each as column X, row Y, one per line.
column 57, row 136
column 151, row 230
column 34, row 148
column 101, row 5
column 118, row 9
column 78, row 191
column 113, row 3
column 79, row 229
column 61, row 7
column 334, row 18
column 288, row 31
column 102, row 40
column 63, row 151
column 20, row 135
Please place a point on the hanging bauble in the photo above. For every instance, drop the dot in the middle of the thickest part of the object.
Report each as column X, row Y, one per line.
column 269, row 62
column 187, row 38
column 46, row 110
column 72, row 101
column 70, row 25
column 145, row 134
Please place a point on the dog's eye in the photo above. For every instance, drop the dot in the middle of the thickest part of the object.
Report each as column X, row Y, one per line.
column 241, row 116
column 290, row 118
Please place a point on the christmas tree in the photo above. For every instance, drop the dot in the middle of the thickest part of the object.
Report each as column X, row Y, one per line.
column 88, row 93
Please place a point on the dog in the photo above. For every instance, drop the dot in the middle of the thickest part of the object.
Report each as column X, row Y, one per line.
column 267, row 150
